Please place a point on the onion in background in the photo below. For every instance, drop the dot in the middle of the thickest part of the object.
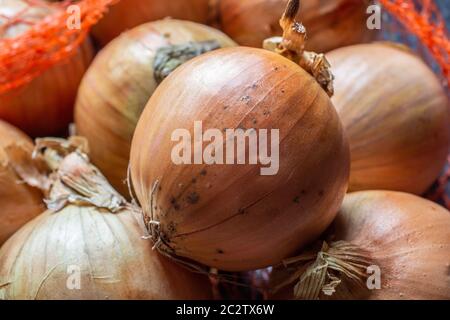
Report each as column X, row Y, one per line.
column 396, row 116
column 122, row 78
column 331, row 24
column 19, row 203
column 127, row 14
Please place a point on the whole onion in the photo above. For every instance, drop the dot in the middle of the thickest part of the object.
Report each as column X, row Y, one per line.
column 19, row 203
column 89, row 246
column 230, row 216
column 331, row 24
column 396, row 116
column 127, row 14
column 43, row 106
column 122, row 78
column 401, row 239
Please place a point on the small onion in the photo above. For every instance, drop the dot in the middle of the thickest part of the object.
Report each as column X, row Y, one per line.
column 331, row 24
column 396, row 116
column 119, row 83
column 127, row 14
column 43, row 106
column 401, row 239
column 19, row 203
column 90, row 248
column 230, row 216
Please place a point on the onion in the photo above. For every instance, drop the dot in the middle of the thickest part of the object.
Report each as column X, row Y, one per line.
column 89, row 246
column 19, row 203
column 107, row 116
column 403, row 238
column 396, row 116
column 43, row 106
column 232, row 217
column 127, row 14
column 331, row 24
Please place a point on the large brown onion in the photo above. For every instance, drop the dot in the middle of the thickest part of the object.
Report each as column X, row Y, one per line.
column 331, row 24
column 405, row 241
column 230, row 216
column 119, row 83
column 127, row 14
column 43, row 106
column 90, row 247
column 396, row 116
column 19, row 203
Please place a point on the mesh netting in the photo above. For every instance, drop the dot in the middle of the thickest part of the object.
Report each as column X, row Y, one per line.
column 47, row 42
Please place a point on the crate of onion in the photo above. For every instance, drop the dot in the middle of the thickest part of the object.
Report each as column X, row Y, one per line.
column 223, row 149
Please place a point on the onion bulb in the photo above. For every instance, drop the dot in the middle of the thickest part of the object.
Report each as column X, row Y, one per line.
column 89, row 246
column 231, row 216
column 122, row 78
column 127, row 14
column 396, row 116
column 19, row 203
column 396, row 239
column 43, row 106
column 331, row 24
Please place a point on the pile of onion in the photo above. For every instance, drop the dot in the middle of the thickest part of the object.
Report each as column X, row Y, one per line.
column 89, row 244
column 127, row 14
column 232, row 217
column 331, row 24
column 19, row 203
column 122, row 78
column 43, row 106
column 398, row 239
column 396, row 116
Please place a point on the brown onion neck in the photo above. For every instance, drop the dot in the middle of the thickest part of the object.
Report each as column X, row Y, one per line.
column 169, row 58
column 292, row 46
column 316, row 274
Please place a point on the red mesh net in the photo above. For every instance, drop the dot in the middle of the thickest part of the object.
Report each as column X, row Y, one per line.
column 48, row 41
column 423, row 19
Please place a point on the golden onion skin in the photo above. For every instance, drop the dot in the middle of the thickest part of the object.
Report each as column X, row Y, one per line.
column 396, row 116
column 119, row 83
column 240, row 219
column 330, row 24
column 42, row 261
column 43, row 106
column 405, row 236
column 408, row 238
column 131, row 13
column 19, row 203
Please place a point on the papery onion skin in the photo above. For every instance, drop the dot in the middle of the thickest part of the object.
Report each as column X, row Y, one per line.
column 114, row 262
column 131, row 13
column 43, row 106
column 407, row 237
column 240, row 219
column 119, row 83
column 396, row 116
column 330, row 24
column 19, row 203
